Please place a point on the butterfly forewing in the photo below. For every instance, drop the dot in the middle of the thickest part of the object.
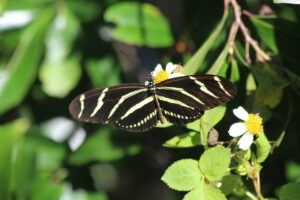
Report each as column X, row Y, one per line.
column 184, row 99
column 107, row 105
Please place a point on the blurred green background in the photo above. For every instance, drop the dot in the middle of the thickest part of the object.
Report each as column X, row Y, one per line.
column 51, row 51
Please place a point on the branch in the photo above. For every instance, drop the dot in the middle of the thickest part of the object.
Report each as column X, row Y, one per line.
column 249, row 41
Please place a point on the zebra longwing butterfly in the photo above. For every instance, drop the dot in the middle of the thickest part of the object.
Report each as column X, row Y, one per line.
column 139, row 107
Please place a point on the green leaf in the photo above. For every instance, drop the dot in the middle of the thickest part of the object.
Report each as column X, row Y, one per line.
column 103, row 72
column 231, row 183
column 210, row 118
column 268, row 78
column 213, row 116
column 2, row 6
column 250, row 83
column 219, row 62
column 60, row 72
column 292, row 171
column 24, row 169
column 265, row 30
column 21, row 70
column 214, row 163
column 100, row 147
column 271, row 98
column 49, row 155
column 183, row 175
column 10, row 137
column 84, row 11
column 189, row 139
column 196, row 61
column 205, row 192
column 139, row 24
column 235, row 73
column 59, row 78
column 290, row 191
column 223, row 70
column 45, row 189
column 263, row 148
column 278, row 34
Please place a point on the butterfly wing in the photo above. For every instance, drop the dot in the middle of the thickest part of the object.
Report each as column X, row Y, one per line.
column 184, row 99
column 128, row 106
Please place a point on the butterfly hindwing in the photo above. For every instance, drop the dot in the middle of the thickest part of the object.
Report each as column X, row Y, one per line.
column 184, row 99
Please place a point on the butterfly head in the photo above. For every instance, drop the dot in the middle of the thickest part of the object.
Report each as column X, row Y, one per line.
column 149, row 82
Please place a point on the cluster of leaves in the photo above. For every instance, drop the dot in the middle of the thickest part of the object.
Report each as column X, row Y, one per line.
column 33, row 155
column 44, row 59
column 194, row 176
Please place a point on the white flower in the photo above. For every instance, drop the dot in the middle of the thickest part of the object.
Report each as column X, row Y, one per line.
column 251, row 126
column 172, row 71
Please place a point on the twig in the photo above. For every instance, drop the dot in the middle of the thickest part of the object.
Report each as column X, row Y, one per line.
column 256, row 183
column 249, row 41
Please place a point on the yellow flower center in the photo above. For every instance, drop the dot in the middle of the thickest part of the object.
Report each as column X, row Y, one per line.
column 161, row 76
column 254, row 124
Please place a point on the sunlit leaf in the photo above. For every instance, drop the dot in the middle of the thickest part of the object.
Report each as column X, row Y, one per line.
column 196, row 61
column 44, row 188
column 59, row 78
column 214, row 163
column 210, row 118
column 250, row 83
column 60, row 72
column 139, row 24
column 183, row 175
column 21, row 70
column 216, row 67
column 235, row 73
column 189, row 139
column 205, row 192
column 263, row 148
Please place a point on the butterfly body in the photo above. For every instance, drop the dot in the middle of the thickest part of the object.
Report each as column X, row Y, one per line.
column 138, row 107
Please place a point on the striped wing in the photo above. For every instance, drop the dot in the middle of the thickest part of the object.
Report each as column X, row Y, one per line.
column 184, row 99
column 128, row 106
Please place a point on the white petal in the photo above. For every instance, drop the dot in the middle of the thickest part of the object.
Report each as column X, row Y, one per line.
column 245, row 141
column 170, row 68
column 237, row 129
column 241, row 113
column 157, row 69
column 174, row 75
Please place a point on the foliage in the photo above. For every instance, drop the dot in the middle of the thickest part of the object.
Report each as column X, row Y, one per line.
column 53, row 50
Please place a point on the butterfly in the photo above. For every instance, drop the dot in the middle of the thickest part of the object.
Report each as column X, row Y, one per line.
column 139, row 107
